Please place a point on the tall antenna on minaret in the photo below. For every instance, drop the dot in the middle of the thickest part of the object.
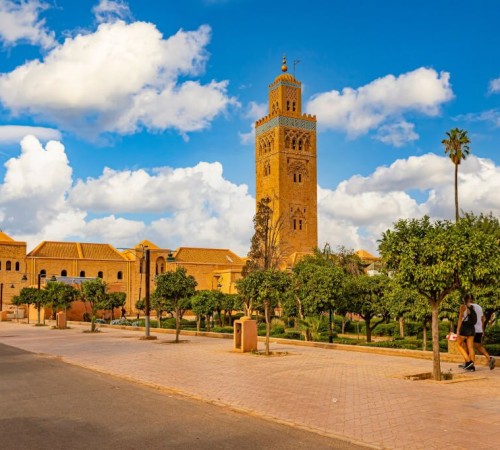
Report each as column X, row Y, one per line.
column 295, row 62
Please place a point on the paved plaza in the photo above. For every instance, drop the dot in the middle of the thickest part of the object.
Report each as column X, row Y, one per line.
column 360, row 397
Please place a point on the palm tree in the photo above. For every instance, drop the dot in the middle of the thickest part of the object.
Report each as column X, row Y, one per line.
column 456, row 146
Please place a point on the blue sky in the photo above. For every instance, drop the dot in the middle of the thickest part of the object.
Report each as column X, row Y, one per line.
column 150, row 105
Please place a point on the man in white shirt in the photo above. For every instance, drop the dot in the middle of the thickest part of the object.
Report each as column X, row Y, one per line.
column 478, row 337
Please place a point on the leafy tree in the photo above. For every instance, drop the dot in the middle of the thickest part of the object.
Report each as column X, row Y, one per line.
column 456, row 146
column 437, row 258
column 316, row 286
column 17, row 301
column 230, row 303
column 33, row 296
column 344, row 258
column 203, row 305
column 177, row 287
column 94, row 292
column 115, row 300
column 263, row 289
column 60, row 295
column 267, row 246
column 366, row 297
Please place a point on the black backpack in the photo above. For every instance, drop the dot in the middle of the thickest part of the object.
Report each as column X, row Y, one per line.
column 471, row 315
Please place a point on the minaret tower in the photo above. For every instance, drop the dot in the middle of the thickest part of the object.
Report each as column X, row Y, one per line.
column 285, row 159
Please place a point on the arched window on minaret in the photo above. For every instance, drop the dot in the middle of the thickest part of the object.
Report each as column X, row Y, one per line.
column 287, row 142
column 300, row 144
column 294, row 143
column 293, row 106
column 288, row 105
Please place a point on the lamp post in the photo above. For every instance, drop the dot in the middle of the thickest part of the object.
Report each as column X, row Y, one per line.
column 1, row 296
column 147, row 257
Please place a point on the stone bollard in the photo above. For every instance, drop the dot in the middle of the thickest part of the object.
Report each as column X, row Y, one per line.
column 245, row 335
column 61, row 320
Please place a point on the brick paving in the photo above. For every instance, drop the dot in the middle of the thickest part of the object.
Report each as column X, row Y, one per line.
column 358, row 396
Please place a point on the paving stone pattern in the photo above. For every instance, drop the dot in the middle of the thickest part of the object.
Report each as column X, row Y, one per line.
column 358, row 396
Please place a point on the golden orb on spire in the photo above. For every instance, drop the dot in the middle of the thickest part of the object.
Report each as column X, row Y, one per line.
column 284, row 67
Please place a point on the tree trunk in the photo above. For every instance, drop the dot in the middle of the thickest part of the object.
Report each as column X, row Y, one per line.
column 436, row 363
column 208, row 319
column 198, row 322
column 344, row 321
column 424, row 336
column 456, row 192
column 402, row 327
column 28, row 311
column 368, row 328
column 177, row 324
column 452, row 326
column 268, row 328
column 38, row 314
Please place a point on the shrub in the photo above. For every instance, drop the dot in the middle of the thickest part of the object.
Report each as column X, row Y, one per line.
column 222, row 329
column 277, row 327
column 493, row 349
column 291, row 335
column 492, row 335
column 121, row 321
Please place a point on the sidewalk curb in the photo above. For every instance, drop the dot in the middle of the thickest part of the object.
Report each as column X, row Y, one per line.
column 418, row 354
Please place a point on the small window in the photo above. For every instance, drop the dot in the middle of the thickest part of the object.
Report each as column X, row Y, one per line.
column 300, row 144
column 43, row 273
column 82, row 273
column 294, row 224
column 119, row 275
column 64, row 273
column 293, row 107
column 300, row 178
column 17, row 266
column 288, row 105
column 100, row 274
column 294, row 177
column 300, row 224
column 0, row 265
column 8, row 265
column 294, row 143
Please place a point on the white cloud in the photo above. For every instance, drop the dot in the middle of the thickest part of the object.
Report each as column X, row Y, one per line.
column 254, row 112
column 121, row 78
column 397, row 134
column 495, row 86
column 384, row 100
column 19, row 21
column 193, row 206
column 197, row 206
column 111, row 11
column 492, row 116
column 361, row 208
column 10, row 134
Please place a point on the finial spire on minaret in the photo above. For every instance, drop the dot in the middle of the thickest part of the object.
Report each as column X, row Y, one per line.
column 284, row 67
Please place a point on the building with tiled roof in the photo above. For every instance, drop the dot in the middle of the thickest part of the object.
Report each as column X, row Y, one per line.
column 122, row 269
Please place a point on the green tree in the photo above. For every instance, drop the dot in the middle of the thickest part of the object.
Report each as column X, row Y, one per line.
column 316, row 286
column 366, row 297
column 437, row 258
column 115, row 300
column 18, row 301
column 203, row 305
column 177, row 287
column 263, row 290
column 60, row 295
column 33, row 296
column 230, row 303
column 94, row 292
column 456, row 146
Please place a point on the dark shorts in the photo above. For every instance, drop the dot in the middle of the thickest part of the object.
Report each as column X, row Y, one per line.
column 478, row 338
column 467, row 330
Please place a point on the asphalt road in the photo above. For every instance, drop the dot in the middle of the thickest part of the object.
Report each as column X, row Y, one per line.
column 47, row 404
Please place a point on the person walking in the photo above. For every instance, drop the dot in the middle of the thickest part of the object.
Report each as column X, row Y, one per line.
column 467, row 319
column 479, row 336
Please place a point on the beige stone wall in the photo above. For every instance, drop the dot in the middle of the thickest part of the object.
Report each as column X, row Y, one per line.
column 10, row 280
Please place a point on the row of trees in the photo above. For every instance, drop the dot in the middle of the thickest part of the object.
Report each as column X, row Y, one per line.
column 59, row 297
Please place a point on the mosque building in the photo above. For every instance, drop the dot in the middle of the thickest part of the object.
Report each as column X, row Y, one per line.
column 286, row 172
